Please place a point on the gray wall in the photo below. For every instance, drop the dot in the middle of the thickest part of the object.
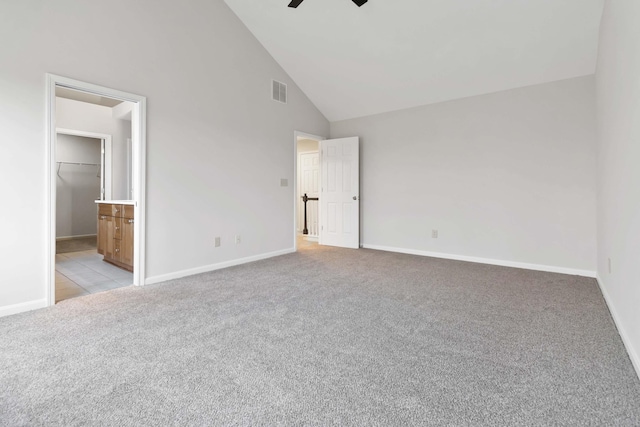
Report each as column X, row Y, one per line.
column 618, row 89
column 82, row 116
column 217, row 145
column 507, row 176
column 77, row 186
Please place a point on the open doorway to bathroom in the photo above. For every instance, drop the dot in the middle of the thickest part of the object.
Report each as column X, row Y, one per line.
column 96, row 148
column 92, row 134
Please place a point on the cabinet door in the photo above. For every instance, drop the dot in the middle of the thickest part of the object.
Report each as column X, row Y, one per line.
column 117, row 250
column 126, row 246
column 117, row 228
column 109, row 248
column 127, row 211
column 102, row 234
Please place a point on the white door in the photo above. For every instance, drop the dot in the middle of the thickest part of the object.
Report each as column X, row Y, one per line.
column 309, row 184
column 340, row 192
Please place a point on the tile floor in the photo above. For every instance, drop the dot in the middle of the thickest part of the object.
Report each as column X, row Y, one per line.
column 84, row 273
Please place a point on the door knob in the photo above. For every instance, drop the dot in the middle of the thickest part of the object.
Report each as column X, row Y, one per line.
column 355, row 197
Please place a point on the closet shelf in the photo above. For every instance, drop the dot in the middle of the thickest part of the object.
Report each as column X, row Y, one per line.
column 78, row 164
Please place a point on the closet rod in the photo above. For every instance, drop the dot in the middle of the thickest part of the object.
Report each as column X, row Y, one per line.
column 79, row 164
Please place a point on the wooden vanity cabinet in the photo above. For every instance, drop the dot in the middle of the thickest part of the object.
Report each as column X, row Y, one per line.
column 126, row 247
column 102, row 233
column 115, row 234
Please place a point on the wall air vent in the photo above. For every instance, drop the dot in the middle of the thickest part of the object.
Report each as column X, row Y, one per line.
column 278, row 91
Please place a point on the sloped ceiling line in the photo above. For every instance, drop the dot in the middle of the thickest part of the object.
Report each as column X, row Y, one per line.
column 390, row 55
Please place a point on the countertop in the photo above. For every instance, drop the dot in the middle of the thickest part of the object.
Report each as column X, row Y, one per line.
column 117, row 202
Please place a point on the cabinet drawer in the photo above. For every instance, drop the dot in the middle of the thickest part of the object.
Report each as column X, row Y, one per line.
column 104, row 210
column 117, row 211
column 127, row 211
column 109, row 209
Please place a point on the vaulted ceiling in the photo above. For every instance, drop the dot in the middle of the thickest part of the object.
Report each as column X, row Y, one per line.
column 393, row 54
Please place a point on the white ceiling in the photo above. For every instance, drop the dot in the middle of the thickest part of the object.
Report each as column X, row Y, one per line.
column 393, row 54
column 90, row 98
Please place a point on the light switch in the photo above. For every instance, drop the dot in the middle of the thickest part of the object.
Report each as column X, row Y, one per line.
column 284, row 182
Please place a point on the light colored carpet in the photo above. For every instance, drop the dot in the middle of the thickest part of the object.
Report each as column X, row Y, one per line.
column 324, row 337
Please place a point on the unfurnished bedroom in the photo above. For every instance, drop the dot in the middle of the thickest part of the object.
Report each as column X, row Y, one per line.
column 320, row 212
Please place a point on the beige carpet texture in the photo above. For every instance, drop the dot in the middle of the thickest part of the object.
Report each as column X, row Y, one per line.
column 324, row 337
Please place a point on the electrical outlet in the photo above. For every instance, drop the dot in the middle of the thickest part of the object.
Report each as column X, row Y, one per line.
column 237, row 239
column 217, row 242
column 609, row 262
column 434, row 234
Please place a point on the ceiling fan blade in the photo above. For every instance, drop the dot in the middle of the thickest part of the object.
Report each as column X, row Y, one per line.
column 296, row 3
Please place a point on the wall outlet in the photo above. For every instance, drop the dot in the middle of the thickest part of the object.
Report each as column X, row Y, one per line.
column 217, row 242
column 609, row 264
column 434, row 234
column 237, row 239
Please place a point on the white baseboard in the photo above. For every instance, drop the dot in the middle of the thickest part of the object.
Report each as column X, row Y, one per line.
column 213, row 267
column 633, row 355
column 22, row 307
column 79, row 236
column 526, row 266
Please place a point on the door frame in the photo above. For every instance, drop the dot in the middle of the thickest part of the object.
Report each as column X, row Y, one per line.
column 297, row 134
column 139, row 142
column 107, row 148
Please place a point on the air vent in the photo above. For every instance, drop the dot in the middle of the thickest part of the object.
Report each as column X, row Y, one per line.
column 278, row 91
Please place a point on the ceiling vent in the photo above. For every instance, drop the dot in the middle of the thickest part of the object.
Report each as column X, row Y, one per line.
column 278, row 91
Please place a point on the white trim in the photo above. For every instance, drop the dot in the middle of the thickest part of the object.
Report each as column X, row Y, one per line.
column 139, row 139
column 213, row 267
column 79, row 236
column 139, row 174
column 296, row 135
column 129, row 168
column 50, row 274
column 22, row 307
column 107, row 166
column 635, row 357
column 502, row 263
column 82, row 133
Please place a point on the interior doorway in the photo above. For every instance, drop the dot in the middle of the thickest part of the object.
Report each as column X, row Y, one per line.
column 308, row 189
column 96, row 146
column 327, row 175
column 84, row 175
column 307, row 182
